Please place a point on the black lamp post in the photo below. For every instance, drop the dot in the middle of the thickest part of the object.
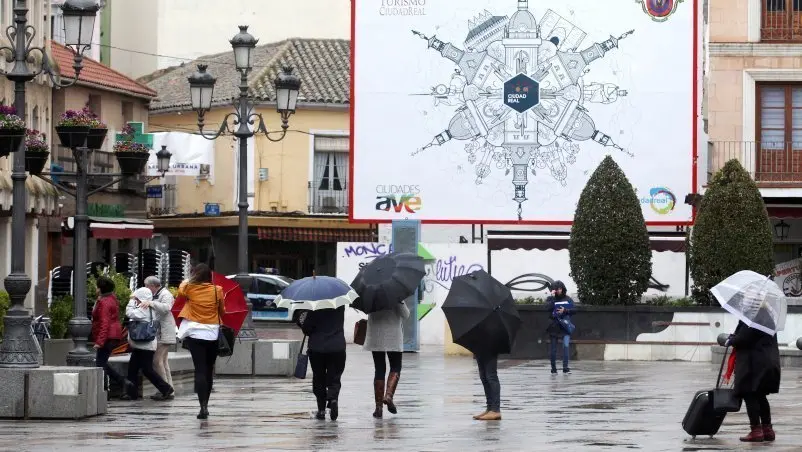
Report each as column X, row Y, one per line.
column 18, row 348
column 782, row 229
column 201, row 86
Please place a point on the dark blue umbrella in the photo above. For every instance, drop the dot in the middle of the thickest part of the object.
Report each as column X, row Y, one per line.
column 316, row 292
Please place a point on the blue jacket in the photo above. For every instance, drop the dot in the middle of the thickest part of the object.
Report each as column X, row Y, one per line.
column 553, row 303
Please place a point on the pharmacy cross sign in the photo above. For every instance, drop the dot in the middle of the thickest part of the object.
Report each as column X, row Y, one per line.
column 139, row 135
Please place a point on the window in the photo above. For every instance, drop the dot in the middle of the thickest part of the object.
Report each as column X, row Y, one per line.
column 330, row 185
column 127, row 112
column 780, row 132
column 782, row 20
column 267, row 287
column 35, row 122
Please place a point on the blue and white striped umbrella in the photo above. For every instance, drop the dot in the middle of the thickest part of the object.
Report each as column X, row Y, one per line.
column 316, row 292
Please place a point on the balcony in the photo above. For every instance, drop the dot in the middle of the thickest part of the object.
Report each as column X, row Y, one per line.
column 328, row 202
column 771, row 165
column 781, row 21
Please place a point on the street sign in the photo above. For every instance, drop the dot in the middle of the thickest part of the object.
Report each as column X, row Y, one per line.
column 154, row 191
column 212, row 210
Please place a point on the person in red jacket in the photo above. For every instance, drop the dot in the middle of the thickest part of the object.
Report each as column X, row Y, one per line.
column 107, row 329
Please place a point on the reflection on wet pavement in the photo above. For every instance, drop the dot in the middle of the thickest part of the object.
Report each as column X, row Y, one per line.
column 600, row 406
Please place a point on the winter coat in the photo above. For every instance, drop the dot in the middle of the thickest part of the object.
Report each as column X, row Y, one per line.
column 324, row 328
column 134, row 313
column 162, row 305
column 757, row 361
column 106, row 324
column 552, row 304
column 205, row 303
column 385, row 332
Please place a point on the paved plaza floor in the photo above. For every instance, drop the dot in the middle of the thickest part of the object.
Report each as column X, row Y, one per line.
column 601, row 406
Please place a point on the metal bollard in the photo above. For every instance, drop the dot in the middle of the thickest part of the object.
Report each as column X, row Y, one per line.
column 722, row 338
column 799, row 343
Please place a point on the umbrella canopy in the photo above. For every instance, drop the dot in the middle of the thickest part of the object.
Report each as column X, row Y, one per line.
column 236, row 307
column 481, row 314
column 755, row 299
column 316, row 292
column 387, row 281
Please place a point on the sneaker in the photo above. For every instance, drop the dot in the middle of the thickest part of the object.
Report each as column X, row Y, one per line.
column 554, row 371
column 566, row 371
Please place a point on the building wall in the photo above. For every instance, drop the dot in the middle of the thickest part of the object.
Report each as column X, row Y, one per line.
column 133, row 41
column 288, row 162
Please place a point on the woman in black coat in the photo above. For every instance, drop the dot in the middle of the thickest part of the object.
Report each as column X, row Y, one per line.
column 757, row 374
column 326, row 351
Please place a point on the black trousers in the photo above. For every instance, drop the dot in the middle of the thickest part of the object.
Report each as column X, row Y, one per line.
column 142, row 360
column 327, row 368
column 380, row 366
column 758, row 409
column 102, row 356
column 204, row 355
column 488, row 373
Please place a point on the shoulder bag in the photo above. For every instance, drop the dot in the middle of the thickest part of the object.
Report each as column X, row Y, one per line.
column 142, row 330
column 303, row 362
column 225, row 337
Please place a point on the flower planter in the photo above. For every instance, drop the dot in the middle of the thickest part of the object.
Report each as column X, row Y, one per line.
column 132, row 163
column 72, row 136
column 35, row 161
column 10, row 140
column 95, row 138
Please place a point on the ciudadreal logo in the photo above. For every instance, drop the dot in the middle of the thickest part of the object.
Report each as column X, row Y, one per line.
column 521, row 93
column 398, row 198
column 661, row 200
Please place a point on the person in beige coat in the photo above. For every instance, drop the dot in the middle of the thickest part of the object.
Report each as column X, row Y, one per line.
column 162, row 305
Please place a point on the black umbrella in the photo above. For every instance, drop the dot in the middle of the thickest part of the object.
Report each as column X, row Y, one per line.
column 387, row 280
column 481, row 313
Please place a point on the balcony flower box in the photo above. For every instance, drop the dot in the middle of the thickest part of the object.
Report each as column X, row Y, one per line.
column 36, row 153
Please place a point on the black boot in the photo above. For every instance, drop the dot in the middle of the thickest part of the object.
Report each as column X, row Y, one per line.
column 334, row 410
column 203, row 399
column 321, row 409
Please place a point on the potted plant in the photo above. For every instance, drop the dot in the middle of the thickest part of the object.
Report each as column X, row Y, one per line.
column 37, row 152
column 132, row 156
column 74, row 126
column 12, row 130
column 97, row 130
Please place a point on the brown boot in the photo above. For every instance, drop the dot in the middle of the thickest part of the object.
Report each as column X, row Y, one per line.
column 490, row 416
column 392, row 383
column 378, row 397
column 768, row 433
column 754, row 436
column 477, row 416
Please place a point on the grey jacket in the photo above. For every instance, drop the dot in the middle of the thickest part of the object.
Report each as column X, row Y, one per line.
column 162, row 306
column 385, row 331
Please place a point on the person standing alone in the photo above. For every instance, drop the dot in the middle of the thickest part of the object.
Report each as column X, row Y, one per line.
column 162, row 304
column 561, row 308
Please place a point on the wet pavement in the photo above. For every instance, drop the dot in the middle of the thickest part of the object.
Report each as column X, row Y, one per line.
column 601, row 406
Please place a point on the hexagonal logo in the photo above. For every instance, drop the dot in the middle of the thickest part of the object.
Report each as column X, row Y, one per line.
column 521, row 93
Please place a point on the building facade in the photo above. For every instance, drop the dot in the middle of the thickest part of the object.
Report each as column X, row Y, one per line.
column 755, row 105
column 299, row 189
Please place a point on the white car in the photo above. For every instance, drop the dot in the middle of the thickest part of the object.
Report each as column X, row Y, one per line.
column 264, row 289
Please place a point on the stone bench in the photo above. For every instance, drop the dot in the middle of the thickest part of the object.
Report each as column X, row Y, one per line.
column 50, row 392
column 262, row 358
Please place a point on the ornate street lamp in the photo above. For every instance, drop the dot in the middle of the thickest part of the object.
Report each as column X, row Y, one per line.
column 781, row 230
column 201, row 87
column 18, row 348
column 163, row 160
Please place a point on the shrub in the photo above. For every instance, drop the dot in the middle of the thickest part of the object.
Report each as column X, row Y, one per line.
column 609, row 248
column 529, row 300
column 732, row 232
column 5, row 303
column 60, row 315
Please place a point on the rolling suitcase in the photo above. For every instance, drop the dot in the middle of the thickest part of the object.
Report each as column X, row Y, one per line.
column 701, row 418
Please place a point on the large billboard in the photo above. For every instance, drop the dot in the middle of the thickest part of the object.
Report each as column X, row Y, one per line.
column 480, row 111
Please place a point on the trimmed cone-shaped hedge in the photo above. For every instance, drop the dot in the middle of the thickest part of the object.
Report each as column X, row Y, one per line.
column 611, row 261
column 732, row 232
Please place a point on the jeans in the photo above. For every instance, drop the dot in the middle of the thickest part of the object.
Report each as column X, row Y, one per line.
column 143, row 360
column 488, row 373
column 204, row 355
column 380, row 366
column 161, row 363
column 327, row 368
column 102, row 356
column 758, row 409
column 566, row 351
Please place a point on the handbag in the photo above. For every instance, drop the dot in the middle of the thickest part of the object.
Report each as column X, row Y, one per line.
column 302, row 363
column 567, row 326
column 142, row 330
column 724, row 399
column 360, row 331
column 225, row 336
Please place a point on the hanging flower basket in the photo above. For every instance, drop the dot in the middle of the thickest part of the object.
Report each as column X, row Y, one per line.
column 35, row 161
column 10, row 140
column 132, row 163
column 96, row 137
column 72, row 136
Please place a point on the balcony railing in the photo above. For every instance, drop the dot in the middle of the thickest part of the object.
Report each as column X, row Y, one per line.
column 332, row 202
column 769, row 163
column 782, row 21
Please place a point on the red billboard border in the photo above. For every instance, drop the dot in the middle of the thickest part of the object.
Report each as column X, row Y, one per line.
column 694, row 144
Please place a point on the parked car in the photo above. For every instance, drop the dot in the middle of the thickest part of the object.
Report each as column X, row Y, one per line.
column 264, row 289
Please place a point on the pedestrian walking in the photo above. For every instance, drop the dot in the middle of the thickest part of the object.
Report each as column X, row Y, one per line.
column 140, row 309
column 162, row 304
column 324, row 328
column 561, row 308
column 757, row 374
column 107, row 330
column 200, row 325
column 385, row 337
column 488, row 374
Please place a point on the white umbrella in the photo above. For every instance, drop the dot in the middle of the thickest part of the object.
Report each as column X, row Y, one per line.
column 754, row 299
column 316, row 292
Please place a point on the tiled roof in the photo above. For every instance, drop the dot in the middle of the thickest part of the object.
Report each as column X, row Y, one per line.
column 322, row 64
column 98, row 75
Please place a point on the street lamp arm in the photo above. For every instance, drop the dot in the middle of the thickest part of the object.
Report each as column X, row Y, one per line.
column 223, row 127
column 114, row 181
column 57, row 186
column 262, row 128
column 47, row 68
